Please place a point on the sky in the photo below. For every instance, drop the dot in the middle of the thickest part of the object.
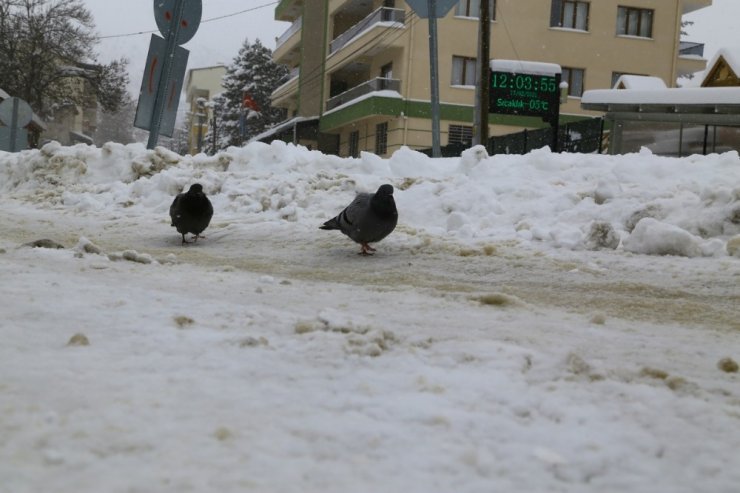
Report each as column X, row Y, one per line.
column 544, row 323
column 215, row 42
column 714, row 26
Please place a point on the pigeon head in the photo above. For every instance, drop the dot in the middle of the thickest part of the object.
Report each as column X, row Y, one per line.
column 385, row 190
column 383, row 203
column 196, row 188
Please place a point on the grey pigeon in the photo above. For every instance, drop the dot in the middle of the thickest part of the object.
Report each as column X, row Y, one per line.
column 191, row 212
column 368, row 219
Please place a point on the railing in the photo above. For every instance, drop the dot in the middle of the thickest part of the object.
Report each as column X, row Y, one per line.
column 689, row 48
column 289, row 77
column 383, row 14
column 289, row 32
column 379, row 84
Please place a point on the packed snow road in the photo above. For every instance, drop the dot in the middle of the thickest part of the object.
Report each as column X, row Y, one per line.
column 700, row 292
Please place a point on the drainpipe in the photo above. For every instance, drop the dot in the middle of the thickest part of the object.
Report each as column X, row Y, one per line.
column 407, row 82
column 676, row 41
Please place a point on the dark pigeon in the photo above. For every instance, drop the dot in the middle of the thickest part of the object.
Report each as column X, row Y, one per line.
column 191, row 212
column 368, row 219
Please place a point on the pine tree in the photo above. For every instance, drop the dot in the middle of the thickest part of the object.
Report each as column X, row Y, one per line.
column 252, row 76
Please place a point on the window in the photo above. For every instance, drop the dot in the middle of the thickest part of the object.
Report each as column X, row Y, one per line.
column 354, row 143
column 463, row 71
column 471, row 8
column 574, row 78
column 460, row 134
column 381, row 138
column 635, row 22
column 570, row 14
column 386, row 71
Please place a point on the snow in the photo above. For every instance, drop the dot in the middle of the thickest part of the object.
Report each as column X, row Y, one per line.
column 642, row 82
column 525, row 67
column 683, row 95
column 544, row 323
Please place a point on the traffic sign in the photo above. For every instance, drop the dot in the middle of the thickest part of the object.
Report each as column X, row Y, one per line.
column 15, row 114
column 165, row 12
column 422, row 8
column 150, row 83
column 165, row 69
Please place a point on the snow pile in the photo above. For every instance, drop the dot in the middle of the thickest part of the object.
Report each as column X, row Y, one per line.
column 641, row 203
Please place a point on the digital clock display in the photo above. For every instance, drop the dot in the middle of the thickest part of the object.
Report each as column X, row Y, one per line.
column 525, row 94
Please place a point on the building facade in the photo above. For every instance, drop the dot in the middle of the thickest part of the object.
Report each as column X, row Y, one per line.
column 360, row 69
column 201, row 86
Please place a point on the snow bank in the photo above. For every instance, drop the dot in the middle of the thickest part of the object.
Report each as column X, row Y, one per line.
column 570, row 201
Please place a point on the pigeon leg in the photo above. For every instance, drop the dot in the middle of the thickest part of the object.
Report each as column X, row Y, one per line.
column 184, row 241
column 366, row 249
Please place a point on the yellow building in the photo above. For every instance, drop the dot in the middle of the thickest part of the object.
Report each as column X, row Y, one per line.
column 74, row 123
column 201, row 86
column 360, row 69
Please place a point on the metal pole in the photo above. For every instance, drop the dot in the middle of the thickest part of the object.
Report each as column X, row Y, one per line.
column 483, row 88
column 14, row 126
column 213, row 116
column 433, row 77
column 165, row 79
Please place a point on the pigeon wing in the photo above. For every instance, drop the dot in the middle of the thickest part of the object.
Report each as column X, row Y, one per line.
column 175, row 209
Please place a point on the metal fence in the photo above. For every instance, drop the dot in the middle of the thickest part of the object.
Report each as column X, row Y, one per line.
column 583, row 136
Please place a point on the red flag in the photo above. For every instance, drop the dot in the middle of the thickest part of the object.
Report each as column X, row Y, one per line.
column 249, row 102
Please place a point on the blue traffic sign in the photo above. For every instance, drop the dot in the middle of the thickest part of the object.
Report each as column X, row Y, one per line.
column 165, row 67
column 148, row 93
column 15, row 114
column 165, row 12
column 422, row 8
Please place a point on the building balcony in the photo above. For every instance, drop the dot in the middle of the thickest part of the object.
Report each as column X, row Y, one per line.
column 688, row 48
column 288, row 89
column 690, row 58
column 289, row 10
column 288, row 45
column 691, row 5
column 371, row 86
column 381, row 19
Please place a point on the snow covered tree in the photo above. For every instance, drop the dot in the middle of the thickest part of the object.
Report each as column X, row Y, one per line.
column 243, row 110
column 46, row 52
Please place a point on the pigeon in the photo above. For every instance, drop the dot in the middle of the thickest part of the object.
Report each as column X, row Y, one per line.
column 191, row 212
column 368, row 219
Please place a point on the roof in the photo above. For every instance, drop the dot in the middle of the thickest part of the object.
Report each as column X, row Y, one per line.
column 683, row 96
column 639, row 82
column 35, row 120
column 283, row 126
column 706, row 105
column 725, row 58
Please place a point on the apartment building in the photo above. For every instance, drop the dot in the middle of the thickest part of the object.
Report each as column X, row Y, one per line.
column 201, row 85
column 360, row 68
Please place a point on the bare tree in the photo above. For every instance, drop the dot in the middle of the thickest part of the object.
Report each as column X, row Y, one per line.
column 46, row 50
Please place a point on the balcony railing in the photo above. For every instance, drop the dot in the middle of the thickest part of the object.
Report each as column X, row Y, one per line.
column 383, row 14
column 379, row 84
column 689, row 48
column 289, row 32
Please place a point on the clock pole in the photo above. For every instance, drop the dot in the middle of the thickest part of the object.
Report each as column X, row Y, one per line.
column 483, row 88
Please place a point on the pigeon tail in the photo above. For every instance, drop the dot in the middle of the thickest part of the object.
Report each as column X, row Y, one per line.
column 331, row 224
